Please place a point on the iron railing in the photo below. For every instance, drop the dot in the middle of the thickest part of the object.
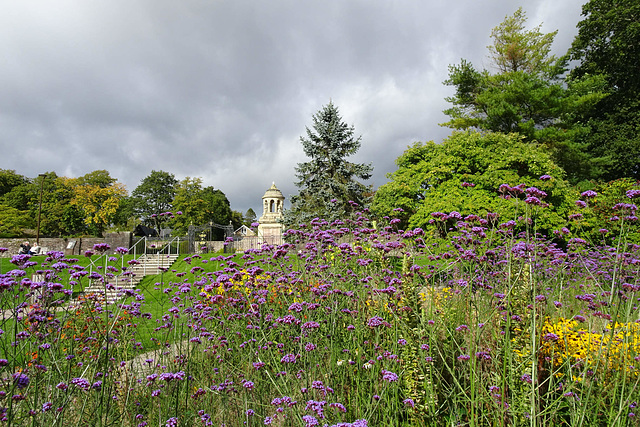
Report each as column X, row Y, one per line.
column 142, row 247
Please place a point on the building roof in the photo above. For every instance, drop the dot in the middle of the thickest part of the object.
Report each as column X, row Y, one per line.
column 273, row 193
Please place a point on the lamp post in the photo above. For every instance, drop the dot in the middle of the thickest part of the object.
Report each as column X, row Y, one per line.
column 42, row 177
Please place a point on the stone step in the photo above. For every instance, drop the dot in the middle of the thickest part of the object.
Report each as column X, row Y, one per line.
column 148, row 264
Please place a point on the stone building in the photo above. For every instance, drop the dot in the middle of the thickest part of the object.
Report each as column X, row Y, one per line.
column 271, row 227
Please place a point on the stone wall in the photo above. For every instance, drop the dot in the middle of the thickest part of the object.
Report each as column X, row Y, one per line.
column 69, row 245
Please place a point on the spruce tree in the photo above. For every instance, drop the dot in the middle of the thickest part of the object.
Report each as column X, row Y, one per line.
column 328, row 182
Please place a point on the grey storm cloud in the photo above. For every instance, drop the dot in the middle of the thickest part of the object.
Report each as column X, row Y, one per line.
column 223, row 90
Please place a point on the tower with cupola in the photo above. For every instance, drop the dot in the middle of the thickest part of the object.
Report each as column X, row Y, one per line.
column 271, row 227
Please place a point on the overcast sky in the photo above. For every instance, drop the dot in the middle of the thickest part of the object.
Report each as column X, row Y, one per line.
column 223, row 90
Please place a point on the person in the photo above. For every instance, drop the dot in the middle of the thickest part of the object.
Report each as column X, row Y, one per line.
column 25, row 248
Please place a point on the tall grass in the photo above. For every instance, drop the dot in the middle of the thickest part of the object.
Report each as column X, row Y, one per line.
column 350, row 324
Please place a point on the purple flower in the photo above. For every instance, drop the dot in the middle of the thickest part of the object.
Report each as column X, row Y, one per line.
column 535, row 192
column 81, row 383
column 531, row 200
column 310, row 325
column 376, row 321
column 526, row 378
column 309, row 421
column 339, row 406
column 545, row 177
column 624, row 207
column 409, row 402
column 296, row 306
column 632, row 194
column 101, row 247
column 485, row 355
column 504, row 188
column 288, row 358
column 589, row 194
column 389, row 376
column 20, row 380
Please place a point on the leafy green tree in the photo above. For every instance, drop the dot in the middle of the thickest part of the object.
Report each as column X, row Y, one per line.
column 198, row 205
column 594, row 217
column 464, row 174
column 70, row 206
column 237, row 219
column 154, row 195
column 517, row 49
column 328, row 182
column 607, row 46
column 526, row 95
column 10, row 179
column 13, row 222
column 60, row 217
column 249, row 217
column 124, row 218
column 19, row 196
column 98, row 178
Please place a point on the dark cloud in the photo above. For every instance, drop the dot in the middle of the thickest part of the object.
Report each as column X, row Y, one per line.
column 223, row 89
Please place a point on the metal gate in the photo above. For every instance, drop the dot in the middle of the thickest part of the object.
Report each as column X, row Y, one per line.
column 209, row 233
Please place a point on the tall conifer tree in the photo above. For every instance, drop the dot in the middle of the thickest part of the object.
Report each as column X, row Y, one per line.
column 328, row 182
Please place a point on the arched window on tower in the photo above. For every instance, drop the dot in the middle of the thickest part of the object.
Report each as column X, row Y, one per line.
column 271, row 206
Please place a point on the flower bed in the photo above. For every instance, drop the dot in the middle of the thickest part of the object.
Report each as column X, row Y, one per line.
column 350, row 324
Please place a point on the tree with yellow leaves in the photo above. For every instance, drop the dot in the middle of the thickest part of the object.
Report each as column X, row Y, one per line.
column 98, row 196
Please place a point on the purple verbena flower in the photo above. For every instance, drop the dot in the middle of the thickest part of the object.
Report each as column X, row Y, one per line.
column 389, row 376
column 288, row 358
column 20, row 380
